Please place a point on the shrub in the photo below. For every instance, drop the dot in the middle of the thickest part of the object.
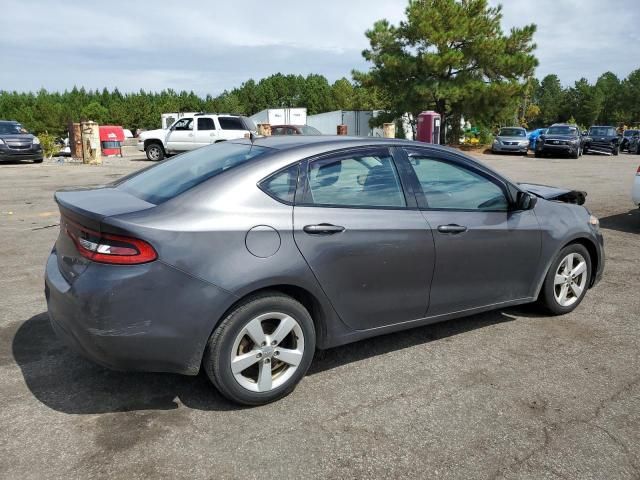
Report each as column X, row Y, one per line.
column 48, row 143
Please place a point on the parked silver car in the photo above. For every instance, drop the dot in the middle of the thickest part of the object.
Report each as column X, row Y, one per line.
column 511, row 139
column 243, row 258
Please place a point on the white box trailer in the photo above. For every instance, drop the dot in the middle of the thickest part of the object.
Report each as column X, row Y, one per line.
column 357, row 122
column 281, row 116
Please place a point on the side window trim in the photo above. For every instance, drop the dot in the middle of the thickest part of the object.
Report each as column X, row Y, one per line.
column 421, row 198
column 303, row 192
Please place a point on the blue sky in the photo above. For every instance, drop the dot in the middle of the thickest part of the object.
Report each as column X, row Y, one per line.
column 209, row 46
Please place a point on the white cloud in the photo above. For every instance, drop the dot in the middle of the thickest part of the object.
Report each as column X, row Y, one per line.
column 210, row 46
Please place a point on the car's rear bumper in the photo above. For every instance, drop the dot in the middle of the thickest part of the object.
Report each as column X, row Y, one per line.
column 635, row 191
column 158, row 320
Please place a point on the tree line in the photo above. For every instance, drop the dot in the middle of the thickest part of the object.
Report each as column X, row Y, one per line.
column 45, row 111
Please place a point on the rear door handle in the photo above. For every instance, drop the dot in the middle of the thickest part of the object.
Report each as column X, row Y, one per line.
column 451, row 228
column 323, row 229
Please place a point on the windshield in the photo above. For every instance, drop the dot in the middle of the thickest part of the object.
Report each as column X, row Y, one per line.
column 512, row 132
column 11, row 129
column 307, row 130
column 172, row 177
column 562, row 130
column 630, row 133
column 603, row 131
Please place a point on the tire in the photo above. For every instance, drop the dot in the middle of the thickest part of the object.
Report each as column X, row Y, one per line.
column 538, row 154
column 551, row 296
column 585, row 150
column 251, row 327
column 616, row 151
column 38, row 161
column 154, row 151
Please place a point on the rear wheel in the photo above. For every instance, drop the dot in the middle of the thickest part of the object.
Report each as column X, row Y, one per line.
column 39, row 160
column 154, row 152
column 567, row 280
column 616, row 151
column 261, row 350
column 538, row 154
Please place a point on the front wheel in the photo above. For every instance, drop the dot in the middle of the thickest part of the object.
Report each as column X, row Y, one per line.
column 154, row 152
column 616, row 151
column 261, row 350
column 567, row 280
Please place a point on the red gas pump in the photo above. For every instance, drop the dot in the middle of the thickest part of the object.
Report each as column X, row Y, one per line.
column 429, row 127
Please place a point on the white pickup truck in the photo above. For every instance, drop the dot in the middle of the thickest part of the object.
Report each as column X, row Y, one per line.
column 191, row 132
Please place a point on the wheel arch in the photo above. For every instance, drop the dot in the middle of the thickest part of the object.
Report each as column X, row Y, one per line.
column 593, row 254
column 152, row 141
column 314, row 306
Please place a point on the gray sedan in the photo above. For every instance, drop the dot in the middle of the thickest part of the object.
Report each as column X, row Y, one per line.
column 511, row 139
column 242, row 258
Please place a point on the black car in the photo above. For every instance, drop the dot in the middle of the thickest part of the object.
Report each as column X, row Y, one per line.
column 602, row 139
column 16, row 143
column 560, row 139
column 634, row 143
column 626, row 139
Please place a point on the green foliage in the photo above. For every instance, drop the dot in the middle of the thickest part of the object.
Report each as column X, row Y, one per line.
column 451, row 56
column 48, row 143
column 52, row 111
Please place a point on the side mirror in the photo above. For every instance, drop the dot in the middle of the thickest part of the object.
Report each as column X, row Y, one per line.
column 526, row 201
column 585, row 133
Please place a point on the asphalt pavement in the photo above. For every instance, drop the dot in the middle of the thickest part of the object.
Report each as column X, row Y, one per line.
column 506, row 394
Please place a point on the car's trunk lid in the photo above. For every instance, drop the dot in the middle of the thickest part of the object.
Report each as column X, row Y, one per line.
column 86, row 209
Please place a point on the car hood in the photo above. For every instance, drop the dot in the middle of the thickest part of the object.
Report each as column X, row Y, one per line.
column 555, row 193
column 153, row 133
column 17, row 137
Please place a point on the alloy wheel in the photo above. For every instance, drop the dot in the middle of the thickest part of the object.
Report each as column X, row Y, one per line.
column 267, row 352
column 570, row 279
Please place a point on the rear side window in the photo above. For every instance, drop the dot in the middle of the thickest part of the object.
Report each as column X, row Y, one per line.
column 357, row 180
column 231, row 123
column 172, row 177
column 282, row 185
column 206, row 124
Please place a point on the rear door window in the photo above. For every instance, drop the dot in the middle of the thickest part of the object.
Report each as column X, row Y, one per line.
column 231, row 123
column 176, row 175
column 355, row 180
column 206, row 124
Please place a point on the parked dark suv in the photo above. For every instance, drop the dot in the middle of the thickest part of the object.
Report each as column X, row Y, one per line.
column 627, row 135
column 16, row 143
column 562, row 139
column 602, row 139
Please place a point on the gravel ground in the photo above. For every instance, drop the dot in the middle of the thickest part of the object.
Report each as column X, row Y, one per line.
column 507, row 394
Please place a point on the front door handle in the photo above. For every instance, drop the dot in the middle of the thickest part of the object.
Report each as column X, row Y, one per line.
column 323, row 229
column 451, row 228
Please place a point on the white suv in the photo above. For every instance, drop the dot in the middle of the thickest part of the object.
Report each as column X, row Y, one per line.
column 193, row 132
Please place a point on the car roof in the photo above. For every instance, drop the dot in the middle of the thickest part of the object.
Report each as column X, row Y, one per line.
column 289, row 142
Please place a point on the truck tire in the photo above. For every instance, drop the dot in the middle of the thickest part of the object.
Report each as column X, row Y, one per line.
column 154, row 151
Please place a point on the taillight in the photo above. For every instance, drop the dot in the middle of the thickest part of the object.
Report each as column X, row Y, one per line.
column 638, row 171
column 109, row 248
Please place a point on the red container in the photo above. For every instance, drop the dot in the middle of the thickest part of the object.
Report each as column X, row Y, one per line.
column 111, row 139
column 428, row 127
